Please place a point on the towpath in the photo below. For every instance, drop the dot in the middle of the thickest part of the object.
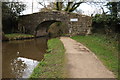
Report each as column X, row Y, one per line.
column 82, row 63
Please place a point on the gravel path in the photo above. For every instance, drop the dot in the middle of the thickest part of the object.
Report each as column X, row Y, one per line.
column 82, row 63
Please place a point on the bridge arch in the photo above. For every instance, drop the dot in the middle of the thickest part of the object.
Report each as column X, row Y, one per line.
column 34, row 23
column 43, row 27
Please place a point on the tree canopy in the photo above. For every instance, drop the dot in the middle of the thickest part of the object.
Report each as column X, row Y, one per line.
column 108, row 23
column 10, row 13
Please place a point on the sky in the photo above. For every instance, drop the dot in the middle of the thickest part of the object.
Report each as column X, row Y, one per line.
column 89, row 9
column 86, row 8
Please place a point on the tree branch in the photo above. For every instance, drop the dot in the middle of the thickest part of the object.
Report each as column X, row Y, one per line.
column 59, row 6
column 75, row 6
column 68, row 6
column 42, row 5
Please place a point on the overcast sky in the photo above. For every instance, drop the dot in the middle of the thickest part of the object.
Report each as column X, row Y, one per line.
column 86, row 8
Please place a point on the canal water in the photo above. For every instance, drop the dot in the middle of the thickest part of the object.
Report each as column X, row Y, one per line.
column 20, row 57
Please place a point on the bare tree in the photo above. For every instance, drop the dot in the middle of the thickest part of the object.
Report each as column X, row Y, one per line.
column 62, row 6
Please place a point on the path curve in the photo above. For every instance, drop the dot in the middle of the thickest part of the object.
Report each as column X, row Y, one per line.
column 82, row 63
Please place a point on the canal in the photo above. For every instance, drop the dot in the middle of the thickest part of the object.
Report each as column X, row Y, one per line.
column 20, row 57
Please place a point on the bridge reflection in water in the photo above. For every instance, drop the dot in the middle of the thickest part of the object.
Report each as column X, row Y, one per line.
column 19, row 58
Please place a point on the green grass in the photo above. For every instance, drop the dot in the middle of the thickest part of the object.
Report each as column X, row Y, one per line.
column 52, row 66
column 18, row 36
column 105, row 48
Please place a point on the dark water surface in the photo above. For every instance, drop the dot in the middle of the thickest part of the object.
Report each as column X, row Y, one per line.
column 19, row 58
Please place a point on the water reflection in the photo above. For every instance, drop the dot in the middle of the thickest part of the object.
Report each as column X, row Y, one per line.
column 20, row 57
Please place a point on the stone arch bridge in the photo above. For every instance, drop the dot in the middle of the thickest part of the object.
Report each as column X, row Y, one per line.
column 38, row 23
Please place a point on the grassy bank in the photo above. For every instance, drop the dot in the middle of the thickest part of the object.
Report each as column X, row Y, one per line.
column 105, row 48
column 17, row 36
column 53, row 64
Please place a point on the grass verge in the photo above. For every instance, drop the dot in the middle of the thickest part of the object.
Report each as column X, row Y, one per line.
column 52, row 66
column 17, row 36
column 105, row 48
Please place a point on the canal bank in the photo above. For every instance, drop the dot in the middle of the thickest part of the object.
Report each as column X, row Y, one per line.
column 22, row 50
column 16, row 36
column 26, row 57
column 53, row 64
